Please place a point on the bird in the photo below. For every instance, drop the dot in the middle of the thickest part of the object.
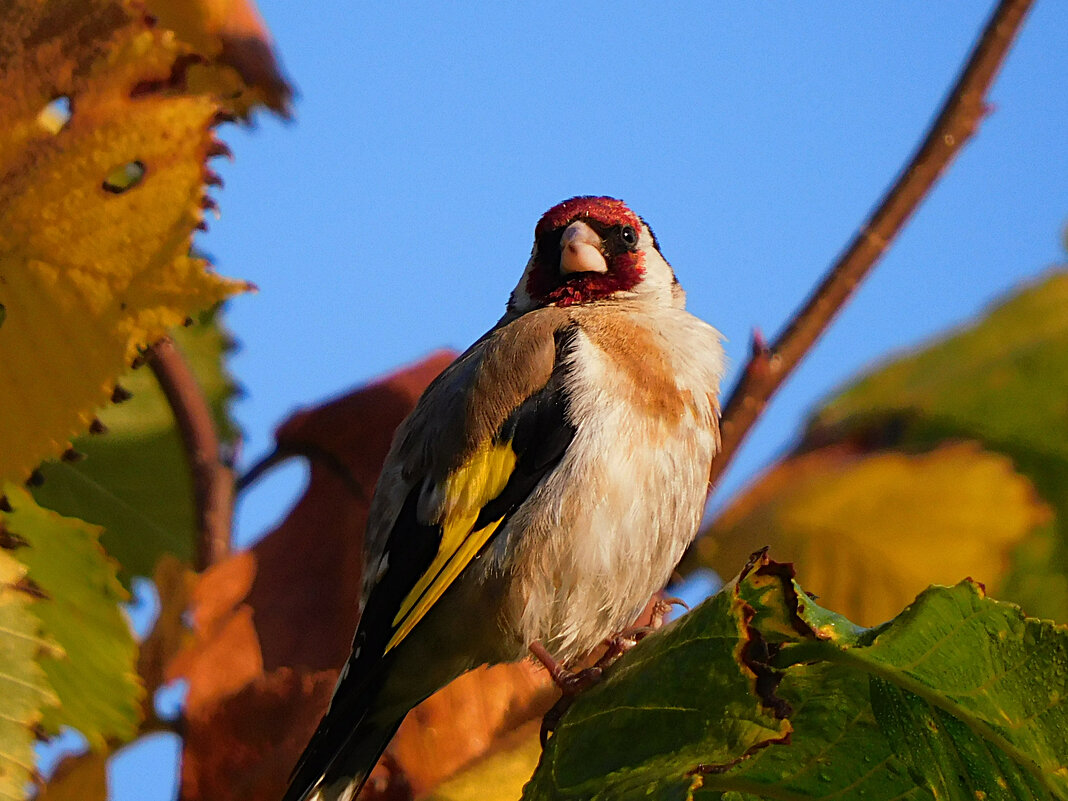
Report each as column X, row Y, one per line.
column 543, row 488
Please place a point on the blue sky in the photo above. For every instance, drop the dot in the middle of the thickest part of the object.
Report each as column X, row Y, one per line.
column 395, row 214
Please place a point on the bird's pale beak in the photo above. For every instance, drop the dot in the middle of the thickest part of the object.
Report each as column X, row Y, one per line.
column 580, row 250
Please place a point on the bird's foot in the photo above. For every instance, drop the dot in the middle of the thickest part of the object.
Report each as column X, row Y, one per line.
column 571, row 684
column 628, row 638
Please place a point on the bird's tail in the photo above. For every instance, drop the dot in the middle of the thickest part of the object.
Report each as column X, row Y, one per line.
column 346, row 774
column 341, row 753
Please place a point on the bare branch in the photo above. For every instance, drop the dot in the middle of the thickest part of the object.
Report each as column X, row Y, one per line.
column 213, row 483
column 957, row 121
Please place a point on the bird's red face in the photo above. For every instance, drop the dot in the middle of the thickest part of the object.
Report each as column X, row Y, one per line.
column 586, row 249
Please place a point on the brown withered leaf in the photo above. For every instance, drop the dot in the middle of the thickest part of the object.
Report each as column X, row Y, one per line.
column 306, row 607
column 273, row 625
column 243, row 747
column 238, row 63
column 78, row 778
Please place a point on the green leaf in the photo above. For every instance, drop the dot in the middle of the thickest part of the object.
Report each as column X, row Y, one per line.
column 972, row 694
column 76, row 598
column 629, row 734
column 837, row 749
column 135, row 479
column 959, row 697
column 24, row 688
column 1001, row 381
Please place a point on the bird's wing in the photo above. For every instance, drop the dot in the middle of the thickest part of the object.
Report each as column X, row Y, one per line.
column 480, row 439
column 479, row 442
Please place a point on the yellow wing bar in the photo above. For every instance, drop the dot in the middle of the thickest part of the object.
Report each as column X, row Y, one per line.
column 468, row 489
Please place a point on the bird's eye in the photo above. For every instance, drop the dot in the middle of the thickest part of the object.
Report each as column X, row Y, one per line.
column 628, row 235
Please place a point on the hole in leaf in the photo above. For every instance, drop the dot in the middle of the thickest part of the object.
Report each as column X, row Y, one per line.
column 143, row 608
column 169, row 699
column 55, row 115
column 69, row 742
column 125, row 176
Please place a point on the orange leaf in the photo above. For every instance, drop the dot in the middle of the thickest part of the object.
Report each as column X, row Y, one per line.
column 500, row 774
column 465, row 720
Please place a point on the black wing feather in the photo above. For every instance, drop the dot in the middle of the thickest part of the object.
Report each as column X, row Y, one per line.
column 366, row 669
column 540, row 432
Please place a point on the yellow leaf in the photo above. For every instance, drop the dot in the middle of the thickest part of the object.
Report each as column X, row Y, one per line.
column 97, row 211
column 870, row 532
column 499, row 776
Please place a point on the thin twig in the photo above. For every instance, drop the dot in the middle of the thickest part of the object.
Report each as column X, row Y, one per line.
column 311, row 452
column 963, row 110
column 260, row 469
column 213, row 484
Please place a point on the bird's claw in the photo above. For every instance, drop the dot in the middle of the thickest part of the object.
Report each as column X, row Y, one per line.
column 661, row 608
column 553, row 717
column 628, row 638
column 578, row 682
column 573, row 683
column 570, row 682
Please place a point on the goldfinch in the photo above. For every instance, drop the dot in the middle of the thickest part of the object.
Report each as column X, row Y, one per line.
column 542, row 490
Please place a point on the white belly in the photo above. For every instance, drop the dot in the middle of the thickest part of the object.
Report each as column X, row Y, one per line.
column 607, row 526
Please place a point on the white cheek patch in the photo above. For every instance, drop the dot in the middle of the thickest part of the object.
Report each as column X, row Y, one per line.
column 520, row 299
column 658, row 273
